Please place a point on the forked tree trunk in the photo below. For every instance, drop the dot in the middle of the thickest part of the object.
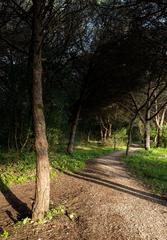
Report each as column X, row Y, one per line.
column 103, row 134
column 42, row 191
column 74, row 124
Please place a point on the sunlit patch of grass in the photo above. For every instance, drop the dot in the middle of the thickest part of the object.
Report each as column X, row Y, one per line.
column 150, row 167
column 20, row 167
column 16, row 167
column 83, row 147
column 76, row 161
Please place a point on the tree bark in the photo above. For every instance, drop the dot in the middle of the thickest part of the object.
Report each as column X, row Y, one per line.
column 147, row 121
column 101, row 133
column 105, row 131
column 130, row 134
column 74, row 124
column 109, row 130
column 147, row 135
column 42, row 191
column 88, row 139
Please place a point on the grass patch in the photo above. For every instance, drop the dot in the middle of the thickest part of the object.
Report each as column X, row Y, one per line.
column 20, row 167
column 16, row 167
column 150, row 167
column 76, row 161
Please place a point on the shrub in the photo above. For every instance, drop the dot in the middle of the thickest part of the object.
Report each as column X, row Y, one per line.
column 119, row 137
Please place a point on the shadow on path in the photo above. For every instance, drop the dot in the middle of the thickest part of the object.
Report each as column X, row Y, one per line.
column 20, row 207
column 121, row 188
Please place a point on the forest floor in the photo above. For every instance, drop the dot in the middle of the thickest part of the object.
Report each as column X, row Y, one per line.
column 108, row 203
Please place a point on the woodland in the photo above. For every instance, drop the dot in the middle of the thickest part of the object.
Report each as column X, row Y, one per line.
column 79, row 73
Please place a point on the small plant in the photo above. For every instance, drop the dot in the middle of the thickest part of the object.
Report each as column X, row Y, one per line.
column 24, row 221
column 60, row 210
column 53, row 173
column 5, row 234
column 40, row 221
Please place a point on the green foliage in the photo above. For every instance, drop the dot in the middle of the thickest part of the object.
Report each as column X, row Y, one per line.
column 59, row 210
column 65, row 162
column 20, row 167
column 153, row 132
column 150, row 167
column 16, row 167
column 121, row 134
column 55, row 137
column 76, row 161
column 24, row 221
column 153, row 136
column 4, row 234
column 119, row 138
column 53, row 212
column 164, row 135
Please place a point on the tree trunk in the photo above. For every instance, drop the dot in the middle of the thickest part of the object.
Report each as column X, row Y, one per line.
column 115, row 142
column 147, row 135
column 88, row 139
column 109, row 130
column 70, row 147
column 130, row 135
column 105, row 131
column 101, row 133
column 42, row 191
column 147, row 124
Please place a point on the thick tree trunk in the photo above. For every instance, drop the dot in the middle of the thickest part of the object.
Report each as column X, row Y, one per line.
column 42, row 191
column 147, row 135
column 74, row 124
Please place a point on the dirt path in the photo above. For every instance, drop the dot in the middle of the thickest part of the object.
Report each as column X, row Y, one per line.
column 109, row 203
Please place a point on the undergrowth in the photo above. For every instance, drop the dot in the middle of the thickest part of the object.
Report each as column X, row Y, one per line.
column 16, row 167
column 151, row 167
column 76, row 161
column 20, row 167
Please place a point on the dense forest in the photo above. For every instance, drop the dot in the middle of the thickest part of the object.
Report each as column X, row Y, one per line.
column 78, row 72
